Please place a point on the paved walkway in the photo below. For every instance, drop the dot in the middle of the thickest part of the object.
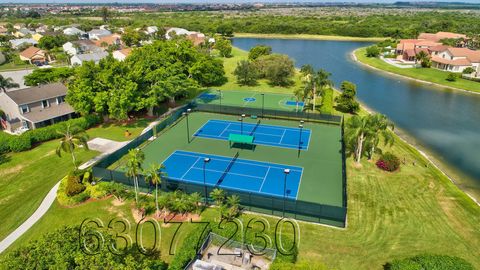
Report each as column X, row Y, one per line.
column 99, row 144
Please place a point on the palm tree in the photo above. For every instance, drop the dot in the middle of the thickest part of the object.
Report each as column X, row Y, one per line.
column 71, row 140
column 379, row 125
column 233, row 201
column 423, row 57
column 196, row 198
column 134, row 167
column 300, row 95
column 314, row 81
column 7, row 83
column 357, row 131
column 153, row 176
column 218, row 196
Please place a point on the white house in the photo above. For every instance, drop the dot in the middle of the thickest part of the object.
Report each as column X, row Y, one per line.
column 98, row 33
column 17, row 43
column 177, row 31
column 151, row 30
column 456, row 59
column 78, row 59
column 120, row 55
column 80, row 46
column 73, row 31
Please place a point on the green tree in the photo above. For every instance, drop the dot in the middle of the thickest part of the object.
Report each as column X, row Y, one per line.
column 105, row 14
column 219, row 196
column 132, row 37
column 224, row 46
column 277, row 68
column 49, row 42
column 357, row 130
column 346, row 101
column 71, row 140
column 424, row 59
column 258, row 51
column 48, row 75
column 208, row 71
column 300, row 95
column 373, row 51
column 468, row 70
column 379, row 125
column 225, row 30
column 451, row 77
column 246, row 73
column 153, row 176
column 7, row 83
column 135, row 160
column 315, row 81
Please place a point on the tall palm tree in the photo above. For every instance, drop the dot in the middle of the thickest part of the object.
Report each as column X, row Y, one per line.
column 218, row 195
column 379, row 126
column 134, row 167
column 70, row 141
column 196, row 199
column 300, row 95
column 154, row 175
column 422, row 56
column 357, row 131
column 7, row 83
column 314, row 82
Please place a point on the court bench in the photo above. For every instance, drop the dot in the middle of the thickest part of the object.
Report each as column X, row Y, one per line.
column 246, row 140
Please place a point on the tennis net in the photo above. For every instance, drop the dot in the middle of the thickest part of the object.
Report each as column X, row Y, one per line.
column 255, row 127
column 220, row 180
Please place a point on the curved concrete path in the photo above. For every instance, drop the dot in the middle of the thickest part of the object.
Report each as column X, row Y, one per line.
column 41, row 210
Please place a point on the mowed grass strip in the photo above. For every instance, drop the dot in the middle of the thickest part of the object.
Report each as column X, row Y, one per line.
column 26, row 178
column 425, row 74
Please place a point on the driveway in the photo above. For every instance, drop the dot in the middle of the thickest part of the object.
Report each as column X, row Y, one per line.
column 17, row 76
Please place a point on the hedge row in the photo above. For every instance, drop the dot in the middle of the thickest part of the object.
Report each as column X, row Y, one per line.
column 430, row 262
column 13, row 143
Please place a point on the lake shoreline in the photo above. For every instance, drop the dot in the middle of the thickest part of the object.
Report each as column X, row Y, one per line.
column 308, row 37
column 437, row 85
column 408, row 139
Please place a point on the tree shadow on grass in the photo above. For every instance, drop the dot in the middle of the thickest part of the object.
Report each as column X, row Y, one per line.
column 4, row 158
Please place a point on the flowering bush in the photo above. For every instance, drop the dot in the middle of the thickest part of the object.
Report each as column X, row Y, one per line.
column 388, row 162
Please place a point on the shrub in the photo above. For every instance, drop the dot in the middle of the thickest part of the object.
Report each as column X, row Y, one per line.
column 373, row 51
column 20, row 143
column 430, row 262
column 74, row 186
column 5, row 142
column 100, row 190
column 388, row 162
column 468, row 70
column 451, row 77
column 66, row 200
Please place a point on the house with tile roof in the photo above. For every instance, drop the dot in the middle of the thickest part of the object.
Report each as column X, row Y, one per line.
column 108, row 40
column 34, row 55
column 120, row 55
column 456, row 59
column 34, row 107
column 77, row 60
column 18, row 43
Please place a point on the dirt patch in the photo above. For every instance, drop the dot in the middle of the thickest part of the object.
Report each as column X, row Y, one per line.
column 15, row 170
column 117, row 202
column 165, row 217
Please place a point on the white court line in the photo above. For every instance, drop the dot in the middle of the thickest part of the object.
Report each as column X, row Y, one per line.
column 198, row 158
column 264, row 178
column 252, row 164
column 225, row 129
column 271, row 144
column 239, row 174
column 246, row 102
column 264, row 125
column 281, row 139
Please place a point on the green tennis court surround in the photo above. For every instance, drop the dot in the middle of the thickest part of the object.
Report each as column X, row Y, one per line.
column 320, row 196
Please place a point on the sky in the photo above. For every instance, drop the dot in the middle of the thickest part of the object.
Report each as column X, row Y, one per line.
column 221, row 1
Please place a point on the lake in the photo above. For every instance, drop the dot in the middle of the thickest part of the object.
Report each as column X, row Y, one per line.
column 446, row 122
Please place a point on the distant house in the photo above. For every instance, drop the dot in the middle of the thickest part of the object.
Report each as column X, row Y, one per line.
column 151, row 30
column 196, row 37
column 33, row 55
column 120, row 55
column 2, row 58
column 23, row 32
column 41, row 29
column 456, row 59
column 34, row 107
column 109, row 40
column 73, row 31
column 37, row 36
column 77, row 60
column 81, row 47
column 440, row 35
column 96, row 34
column 17, row 43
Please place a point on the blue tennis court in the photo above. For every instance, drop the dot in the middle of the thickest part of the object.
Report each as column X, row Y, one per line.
column 277, row 136
column 234, row 173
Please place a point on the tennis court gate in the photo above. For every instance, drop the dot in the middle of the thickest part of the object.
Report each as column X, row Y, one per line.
column 271, row 205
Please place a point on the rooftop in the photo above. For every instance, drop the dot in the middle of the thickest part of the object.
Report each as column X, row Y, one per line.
column 37, row 93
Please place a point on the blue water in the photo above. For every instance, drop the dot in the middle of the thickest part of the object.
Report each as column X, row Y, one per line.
column 445, row 121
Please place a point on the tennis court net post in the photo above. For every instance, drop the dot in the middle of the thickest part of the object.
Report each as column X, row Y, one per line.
column 230, row 165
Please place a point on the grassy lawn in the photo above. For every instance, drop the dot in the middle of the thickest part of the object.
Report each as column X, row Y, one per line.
column 390, row 215
column 26, row 178
column 426, row 74
column 15, row 66
column 116, row 131
column 306, row 36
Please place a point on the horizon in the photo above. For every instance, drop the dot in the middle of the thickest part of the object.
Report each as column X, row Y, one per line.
column 225, row 1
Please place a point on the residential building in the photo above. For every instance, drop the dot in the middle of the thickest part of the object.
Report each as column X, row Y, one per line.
column 23, row 32
column 109, row 40
column 456, row 59
column 196, row 37
column 80, row 58
column 34, row 107
column 18, row 43
column 96, row 34
column 437, row 37
column 81, row 47
column 34, row 55
column 151, row 30
column 120, row 55
column 73, row 31
column 37, row 36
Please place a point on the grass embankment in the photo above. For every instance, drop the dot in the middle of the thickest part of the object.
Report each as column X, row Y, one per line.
column 307, row 36
column 390, row 215
column 428, row 75
column 26, row 177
